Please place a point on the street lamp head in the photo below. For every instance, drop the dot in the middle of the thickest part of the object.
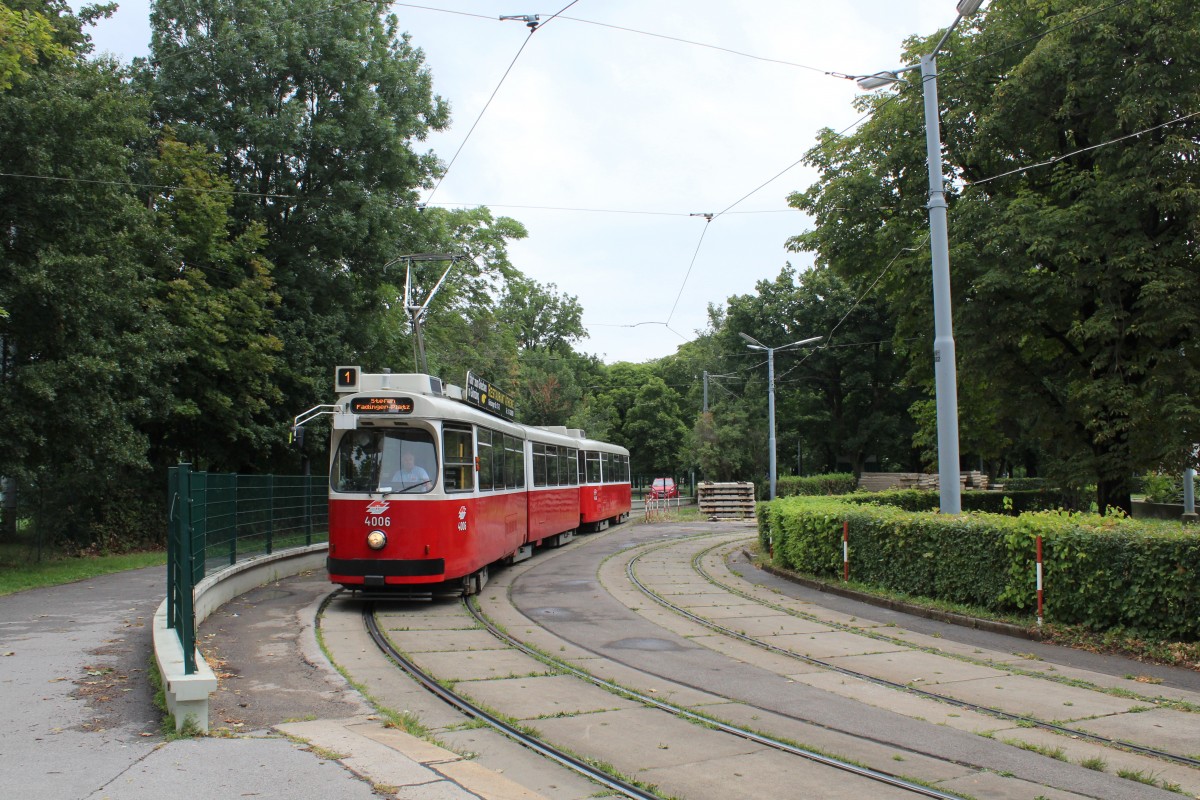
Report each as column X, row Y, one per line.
column 877, row 80
column 809, row 340
column 753, row 342
column 968, row 7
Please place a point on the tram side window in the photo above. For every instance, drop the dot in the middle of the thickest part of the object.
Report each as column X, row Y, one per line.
column 539, row 464
column 551, row 465
column 592, row 461
column 625, row 462
column 458, row 473
column 568, row 470
column 514, row 462
column 483, row 438
column 607, row 468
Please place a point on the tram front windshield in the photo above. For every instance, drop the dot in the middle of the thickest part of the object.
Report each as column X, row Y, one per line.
column 401, row 460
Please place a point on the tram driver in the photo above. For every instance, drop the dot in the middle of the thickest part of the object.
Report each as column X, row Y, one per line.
column 410, row 477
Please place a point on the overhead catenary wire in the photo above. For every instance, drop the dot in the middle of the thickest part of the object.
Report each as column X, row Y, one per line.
column 1056, row 159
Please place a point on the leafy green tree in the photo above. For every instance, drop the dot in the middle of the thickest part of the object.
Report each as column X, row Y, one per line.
column 841, row 398
column 26, row 37
column 83, row 343
column 540, row 317
column 654, row 430
column 218, row 296
column 1074, row 247
column 314, row 108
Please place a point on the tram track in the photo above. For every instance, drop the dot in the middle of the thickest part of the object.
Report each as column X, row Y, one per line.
column 1018, row 719
column 536, row 700
column 683, row 713
column 582, row 766
column 577, row 765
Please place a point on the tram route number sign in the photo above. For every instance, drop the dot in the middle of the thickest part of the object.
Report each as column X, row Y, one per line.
column 381, row 405
column 482, row 394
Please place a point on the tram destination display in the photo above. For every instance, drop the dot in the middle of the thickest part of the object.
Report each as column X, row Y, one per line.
column 381, row 405
column 482, row 394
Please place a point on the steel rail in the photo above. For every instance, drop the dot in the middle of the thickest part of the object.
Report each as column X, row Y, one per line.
column 757, row 738
column 995, row 712
column 512, row 732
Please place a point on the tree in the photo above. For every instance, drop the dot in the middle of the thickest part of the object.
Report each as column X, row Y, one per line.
column 654, row 430
column 842, row 398
column 217, row 293
column 1071, row 286
column 36, row 31
column 83, row 343
column 314, row 108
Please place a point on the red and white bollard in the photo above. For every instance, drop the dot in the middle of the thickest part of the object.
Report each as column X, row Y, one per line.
column 846, row 550
column 1039, row 579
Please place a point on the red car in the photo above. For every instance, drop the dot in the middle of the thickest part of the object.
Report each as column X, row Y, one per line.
column 662, row 488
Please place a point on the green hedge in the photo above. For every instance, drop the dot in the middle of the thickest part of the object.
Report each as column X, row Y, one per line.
column 1016, row 502
column 831, row 483
column 1104, row 573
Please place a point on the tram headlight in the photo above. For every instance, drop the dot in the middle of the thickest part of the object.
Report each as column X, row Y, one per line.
column 376, row 540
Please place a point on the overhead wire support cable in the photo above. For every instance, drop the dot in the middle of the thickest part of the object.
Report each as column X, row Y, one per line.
column 708, row 218
column 531, row 20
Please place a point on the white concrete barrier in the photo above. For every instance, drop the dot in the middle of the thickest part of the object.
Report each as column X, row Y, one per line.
column 187, row 695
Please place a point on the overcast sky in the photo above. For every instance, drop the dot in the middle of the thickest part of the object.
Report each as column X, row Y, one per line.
column 638, row 133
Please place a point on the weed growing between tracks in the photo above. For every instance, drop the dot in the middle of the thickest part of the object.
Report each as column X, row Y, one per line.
column 406, row 720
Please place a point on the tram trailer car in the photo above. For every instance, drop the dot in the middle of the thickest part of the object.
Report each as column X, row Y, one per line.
column 427, row 490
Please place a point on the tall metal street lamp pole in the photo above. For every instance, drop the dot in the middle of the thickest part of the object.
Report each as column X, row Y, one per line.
column 755, row 344
column 945, row 378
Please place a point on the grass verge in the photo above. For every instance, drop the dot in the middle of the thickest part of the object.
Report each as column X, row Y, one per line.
column 16, row 576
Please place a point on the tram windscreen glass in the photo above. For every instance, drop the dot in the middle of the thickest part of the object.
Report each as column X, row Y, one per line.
column 399, row 460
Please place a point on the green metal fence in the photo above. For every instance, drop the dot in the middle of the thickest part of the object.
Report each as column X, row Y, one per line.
column 218, row 519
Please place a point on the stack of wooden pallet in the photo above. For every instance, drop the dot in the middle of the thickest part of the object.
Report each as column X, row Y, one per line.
column 726, row 500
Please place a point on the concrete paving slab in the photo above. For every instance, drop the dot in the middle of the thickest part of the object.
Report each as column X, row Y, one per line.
column 998, row 787
column 892, row 759
column 942, row 644
column 747, row 653
column 761, row 624
column 901, row 702
column 491, row 750
column 475, row 777
column 1112, row 760
column 419, row 622
column 533, row 698
column 769, row 773
column 1166, row 729
column 1034, row 697
column 700, row 589
column 382, row 681
column 702, row 603
column 452, row 641
column 367, row 757
column 1129, row 682
column 480, row 665
column 916, row 667
column 440, row 607
column 641, row 738
column 652, row 685
column 831, row 644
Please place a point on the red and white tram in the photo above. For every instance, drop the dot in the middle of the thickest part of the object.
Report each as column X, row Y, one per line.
column 430, row 484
